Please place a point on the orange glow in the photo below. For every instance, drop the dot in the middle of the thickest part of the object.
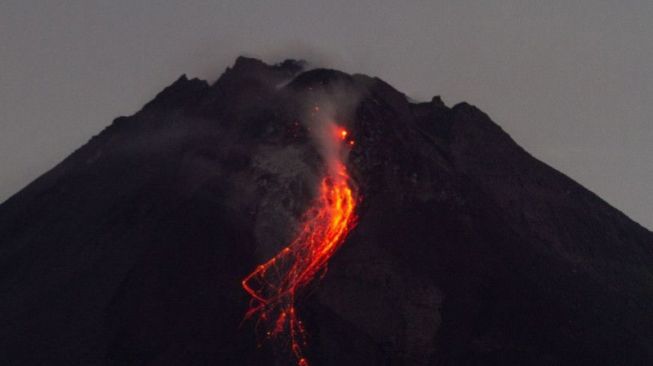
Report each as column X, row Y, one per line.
column 274, row 285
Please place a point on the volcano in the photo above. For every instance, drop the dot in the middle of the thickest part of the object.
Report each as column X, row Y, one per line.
column 466, row 250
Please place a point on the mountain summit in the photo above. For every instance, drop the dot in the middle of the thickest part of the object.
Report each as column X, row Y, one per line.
column 467, row 250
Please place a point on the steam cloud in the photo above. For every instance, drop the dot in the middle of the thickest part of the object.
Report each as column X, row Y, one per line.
column 329, row 113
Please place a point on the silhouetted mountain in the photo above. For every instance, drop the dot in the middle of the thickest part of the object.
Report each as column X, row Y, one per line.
column 468, row 250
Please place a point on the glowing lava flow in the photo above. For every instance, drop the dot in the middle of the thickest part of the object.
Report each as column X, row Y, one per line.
column 275, row 284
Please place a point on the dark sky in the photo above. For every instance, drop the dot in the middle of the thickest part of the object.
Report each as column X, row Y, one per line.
column 571, row 81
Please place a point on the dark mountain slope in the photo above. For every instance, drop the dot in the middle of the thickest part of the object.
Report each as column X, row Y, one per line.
column 468, row 250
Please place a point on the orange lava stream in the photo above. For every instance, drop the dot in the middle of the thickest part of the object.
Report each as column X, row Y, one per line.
column 274, row 285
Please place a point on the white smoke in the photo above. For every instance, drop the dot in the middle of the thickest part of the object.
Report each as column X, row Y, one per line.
column 328, row 119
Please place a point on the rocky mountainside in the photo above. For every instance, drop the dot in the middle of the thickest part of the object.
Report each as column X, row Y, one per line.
column 468, row 251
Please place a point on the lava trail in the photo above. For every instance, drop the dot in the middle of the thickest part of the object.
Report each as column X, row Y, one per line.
column 275, row 284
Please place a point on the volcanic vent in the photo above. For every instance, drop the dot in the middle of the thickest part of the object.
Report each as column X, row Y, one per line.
column 446, row 243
